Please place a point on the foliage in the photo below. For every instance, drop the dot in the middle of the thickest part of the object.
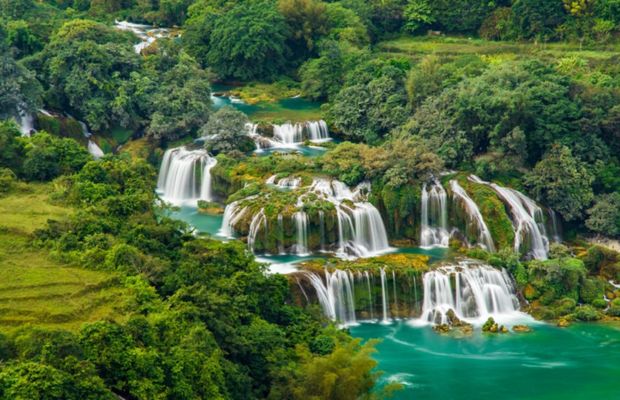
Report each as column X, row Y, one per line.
column 417, row 14
column 85, row 65
column 371, row 103
column 604, row 215
column 307, row 22
column 47, row 157
column 562, row 182
column 346, row 373
column 19, row 90
column 226, row 131
column 180, row 101
column 248, row 42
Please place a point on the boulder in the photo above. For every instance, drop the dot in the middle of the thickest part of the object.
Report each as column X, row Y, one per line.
column 521, row 329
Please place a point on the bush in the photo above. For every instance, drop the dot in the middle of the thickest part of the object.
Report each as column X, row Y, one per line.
column 565, row 306
column 614, row 308
column 597, row 257
column 587, row 313
column 7, row 180
column 591, row 290
column 599, row 303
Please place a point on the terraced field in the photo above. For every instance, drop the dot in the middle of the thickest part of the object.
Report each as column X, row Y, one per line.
column 35, row 289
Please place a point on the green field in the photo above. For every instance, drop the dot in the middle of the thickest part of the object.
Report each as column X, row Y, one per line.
column 34, row 289
column 415, row 47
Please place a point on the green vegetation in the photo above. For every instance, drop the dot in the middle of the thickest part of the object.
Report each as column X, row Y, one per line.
column 103, row 296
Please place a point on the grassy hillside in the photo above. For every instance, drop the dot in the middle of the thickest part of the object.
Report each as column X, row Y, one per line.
column 415, row 47
column 35, row 289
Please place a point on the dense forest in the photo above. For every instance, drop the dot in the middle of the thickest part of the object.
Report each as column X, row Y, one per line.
column 356, row 135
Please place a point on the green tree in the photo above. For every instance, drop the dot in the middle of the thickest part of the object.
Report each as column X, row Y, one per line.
column 561, row 182
column 226, row 131
column 180, row 101
column 85, row 66
column 11, row 149
column 604, row 216
column 47, row 157
column 248, row 42
column 344, row 374
column 371, row 104
column 31, row 380
column 418, row 13
column 307, row 22
column 536, row 19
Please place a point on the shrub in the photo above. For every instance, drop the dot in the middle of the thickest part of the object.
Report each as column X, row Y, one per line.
column 587, row 313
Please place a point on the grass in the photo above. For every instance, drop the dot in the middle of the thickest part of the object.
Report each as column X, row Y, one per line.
column 258, row 92
column 415, row 47
column 29, row 208
column 37, row 290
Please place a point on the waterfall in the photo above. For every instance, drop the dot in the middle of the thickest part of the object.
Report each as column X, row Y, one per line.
column 361, row 232
column 317, row 131
column 258, row 221
column 322, row 228
column 556, row 231
column 95, row 150
column 185, row 176
column 527, row 220
column 473, row 291
column 473, row 214
column 284, row 183
column 434, row 220
column 384, row 299
column 370, row 302
column 281, row 234
column 232, row 215
column 335, row 295
column 301, row 222
column 145, row 33
column 25, row 122
column 394, row 288
column 288, row 134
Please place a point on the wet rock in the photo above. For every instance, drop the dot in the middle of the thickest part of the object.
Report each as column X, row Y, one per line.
column 521, row 329
column 563, row 323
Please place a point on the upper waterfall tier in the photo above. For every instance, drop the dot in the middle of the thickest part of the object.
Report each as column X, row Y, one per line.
column 324, row 216
column 185, row 176
column 474, row 218
column 527, row 218
column 288, row 135
column 434, row 218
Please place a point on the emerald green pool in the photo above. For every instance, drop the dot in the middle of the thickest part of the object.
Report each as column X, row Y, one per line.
column 579, row 362
column 294, row 109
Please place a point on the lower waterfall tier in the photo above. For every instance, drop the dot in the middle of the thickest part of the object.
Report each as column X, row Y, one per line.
column 384, row 290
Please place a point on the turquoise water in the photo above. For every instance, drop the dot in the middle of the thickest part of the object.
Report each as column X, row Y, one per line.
column 203, row 223
column 292, row 109
column 579, row 362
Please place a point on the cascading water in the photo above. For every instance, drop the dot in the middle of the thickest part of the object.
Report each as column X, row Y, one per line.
column 361, row 231
column 26, row 122
column 384, row 297
column 290, row 135
column 474, row 292
column 232, row 215
column 185, row 176
column 473, row 215
column 301, row 222
column 258, row 221
column 335, row 295
column 317, row 131
column 527, row 219
column 284, row 183
column 434, row 219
